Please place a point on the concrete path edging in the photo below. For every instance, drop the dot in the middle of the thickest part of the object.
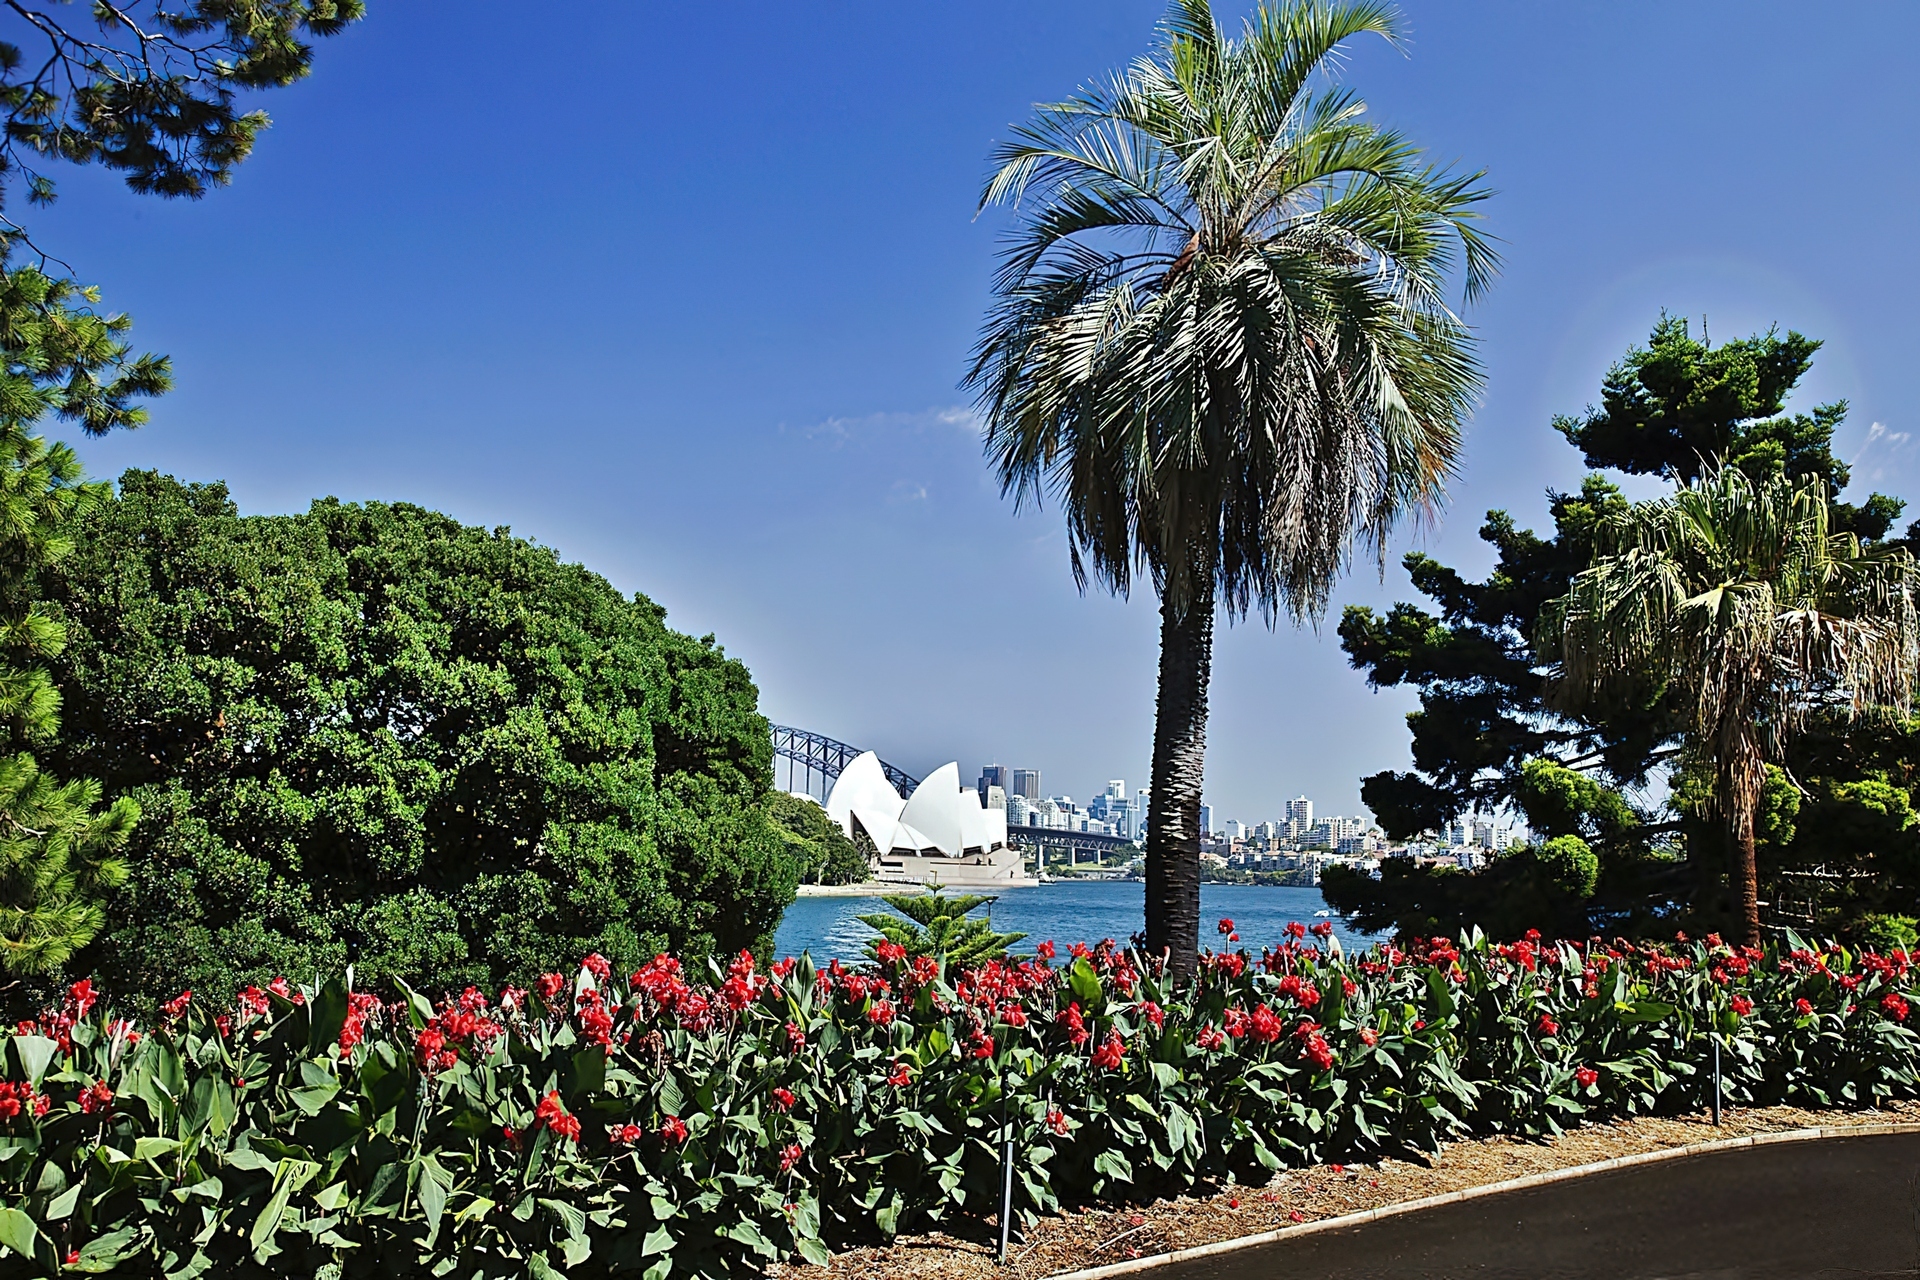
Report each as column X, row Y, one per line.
column 1473, row 1193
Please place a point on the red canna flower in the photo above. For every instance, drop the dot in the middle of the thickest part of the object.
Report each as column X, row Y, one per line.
column 1369, row 1037
column 1548, row 1027
column 1322, row 929
column 1057, row 1121
column 1226, row 926
column 96, row 1098
column 1110, row 1053
column 1585, row 1077
column 790, row 1156
column 1803, row 1006
column 1741, row 1006
column 673, row 1131
column 1895, row 1006
column 624, row 1135
column 599, row 966
column 783, row 1099
column 900, row 1077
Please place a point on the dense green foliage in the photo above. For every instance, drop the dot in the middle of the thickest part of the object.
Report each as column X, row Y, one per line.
column 663, row 1127
column 1485, row 726
column 370, row 734
column 936, row 926
column 816, row 843
column 59, row 359
column 1221, row 340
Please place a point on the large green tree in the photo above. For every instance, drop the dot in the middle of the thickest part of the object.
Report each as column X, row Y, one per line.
column 1484, row 717
column 1221, row 342
column 368, row 734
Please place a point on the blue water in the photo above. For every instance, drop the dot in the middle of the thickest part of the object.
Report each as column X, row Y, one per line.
column 1068, row 912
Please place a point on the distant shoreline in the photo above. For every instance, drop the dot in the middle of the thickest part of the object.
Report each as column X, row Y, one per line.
column 865, row 889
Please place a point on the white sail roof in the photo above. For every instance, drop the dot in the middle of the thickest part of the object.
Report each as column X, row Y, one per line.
column 939, row 818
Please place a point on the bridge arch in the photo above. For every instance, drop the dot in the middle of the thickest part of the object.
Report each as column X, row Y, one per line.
column 812, row 756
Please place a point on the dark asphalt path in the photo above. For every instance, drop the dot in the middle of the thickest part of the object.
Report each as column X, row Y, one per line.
column 1832, row 1209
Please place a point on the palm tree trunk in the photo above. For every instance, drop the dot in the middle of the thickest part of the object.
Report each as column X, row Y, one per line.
column 1179, row 758
column 1746, row 871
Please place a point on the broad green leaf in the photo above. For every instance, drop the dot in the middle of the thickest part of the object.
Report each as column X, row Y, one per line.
column 432, row 1190
column 32, row 1055
column 17, row 1231
column 590, row 1070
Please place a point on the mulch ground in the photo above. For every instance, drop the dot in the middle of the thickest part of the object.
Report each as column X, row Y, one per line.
column 1075, row 1240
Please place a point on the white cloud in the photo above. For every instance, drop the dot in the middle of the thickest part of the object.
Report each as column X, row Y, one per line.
column 840, row 430
column 1887, row 448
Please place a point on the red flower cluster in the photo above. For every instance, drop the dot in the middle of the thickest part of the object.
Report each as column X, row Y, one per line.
column 96, row 1099
column 1585, row 1077
column 1110, row 1053
column 1300, row 991
column 353, row 1029
column 624, row 1135
column 459, row 1024
column 552, row 1113
column 673, row 1131
column 1313, row 1046
column 19, row 1098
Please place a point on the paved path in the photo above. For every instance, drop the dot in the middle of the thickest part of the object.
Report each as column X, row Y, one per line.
column 1825, row 1210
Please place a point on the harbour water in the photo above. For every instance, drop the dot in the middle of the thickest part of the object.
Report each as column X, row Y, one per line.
column 1070, row 911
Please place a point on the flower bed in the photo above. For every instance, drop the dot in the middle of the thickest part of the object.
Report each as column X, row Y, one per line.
column 664, row 1125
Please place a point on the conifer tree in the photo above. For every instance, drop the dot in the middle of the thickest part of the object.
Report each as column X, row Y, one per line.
column 59, row 358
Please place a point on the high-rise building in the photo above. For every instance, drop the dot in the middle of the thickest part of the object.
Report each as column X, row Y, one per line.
column 996, row 797
column 992, row 775
column 1300, row 814
column 1115, row 808
column 1026, row 784
column 1206, row 820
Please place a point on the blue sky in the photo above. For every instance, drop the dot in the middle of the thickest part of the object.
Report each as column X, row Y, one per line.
column 685, row 292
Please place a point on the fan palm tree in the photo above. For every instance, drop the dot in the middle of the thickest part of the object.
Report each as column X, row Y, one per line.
column 1221, row 342
column 1736, row 595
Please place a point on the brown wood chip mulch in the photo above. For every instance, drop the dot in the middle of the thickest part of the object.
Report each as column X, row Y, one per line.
column 1075, row 1240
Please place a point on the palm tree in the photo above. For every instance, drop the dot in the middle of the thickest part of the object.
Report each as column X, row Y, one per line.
column 1221, row 342
column 1736, row 595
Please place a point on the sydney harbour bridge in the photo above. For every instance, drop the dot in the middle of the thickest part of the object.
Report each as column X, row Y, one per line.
column 814, row 760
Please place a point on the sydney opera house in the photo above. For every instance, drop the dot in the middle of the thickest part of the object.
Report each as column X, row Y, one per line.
column 940, row 835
